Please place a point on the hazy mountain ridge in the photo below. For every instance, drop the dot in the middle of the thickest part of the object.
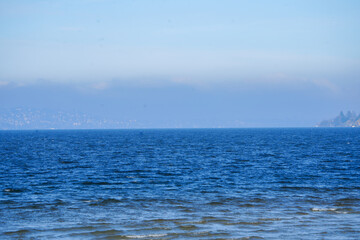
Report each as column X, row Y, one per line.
column 350, row 119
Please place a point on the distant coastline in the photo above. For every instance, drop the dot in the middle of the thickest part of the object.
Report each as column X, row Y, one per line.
column 350, row 119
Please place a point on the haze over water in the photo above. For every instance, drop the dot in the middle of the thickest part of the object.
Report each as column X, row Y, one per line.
column 179, row 63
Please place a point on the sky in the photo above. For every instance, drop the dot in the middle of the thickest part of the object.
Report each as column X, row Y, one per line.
column 183, row 63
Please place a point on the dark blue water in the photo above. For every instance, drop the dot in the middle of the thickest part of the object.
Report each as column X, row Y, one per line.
column 180, row 184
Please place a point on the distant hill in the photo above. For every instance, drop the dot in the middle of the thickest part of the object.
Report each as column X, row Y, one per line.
column 350, row 119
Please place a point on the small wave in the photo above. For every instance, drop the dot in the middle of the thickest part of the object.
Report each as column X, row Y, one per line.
column 66, row 162
column 112, row 233
column 266, row 155
column 251, row 238
column 164, row 220
column 247, row 205
column 84, row 166
column 323, row 209
column 345, row 210
column 102, row 202
column 206, row 220
column 215, row 203
column 270, row 219
column 18, row 232
column 70, row 229
column 301, row 213
column 258, row 200
column 333, row 210
column 188, row 227
column 86, row 183
column 347, row 202
column 106, row 232
column 203, row 234
column 303, row 188
column 248, row 223
column 146, row 236
column 153, row 229
column 32, row 206
column 13, row 190
column 59, row 202
column 185, row 209
column 167, row 174
column 7, row 202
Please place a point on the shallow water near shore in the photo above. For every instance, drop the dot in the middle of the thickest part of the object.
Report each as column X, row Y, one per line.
column 180, row 184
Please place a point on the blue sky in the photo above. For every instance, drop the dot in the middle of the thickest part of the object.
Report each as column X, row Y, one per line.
column 280, row 52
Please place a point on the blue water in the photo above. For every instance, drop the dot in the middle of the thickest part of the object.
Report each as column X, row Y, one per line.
column 180, row 184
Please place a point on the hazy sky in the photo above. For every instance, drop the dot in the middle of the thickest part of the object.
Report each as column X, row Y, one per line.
column 295, row 62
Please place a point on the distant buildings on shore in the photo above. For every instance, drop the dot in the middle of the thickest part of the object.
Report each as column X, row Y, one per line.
column 350, row 119
column 27, row 118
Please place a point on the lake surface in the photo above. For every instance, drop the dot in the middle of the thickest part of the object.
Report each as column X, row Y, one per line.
column 180, row 184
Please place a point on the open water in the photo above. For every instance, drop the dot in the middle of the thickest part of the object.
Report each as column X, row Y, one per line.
column 180, row 184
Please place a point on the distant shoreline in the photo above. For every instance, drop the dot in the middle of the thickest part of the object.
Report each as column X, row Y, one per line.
column 198, row 128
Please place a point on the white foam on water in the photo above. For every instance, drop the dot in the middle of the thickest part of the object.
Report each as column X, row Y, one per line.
column 335, row 210
column 146, row 236
column 323, row 209
column 90, row 201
